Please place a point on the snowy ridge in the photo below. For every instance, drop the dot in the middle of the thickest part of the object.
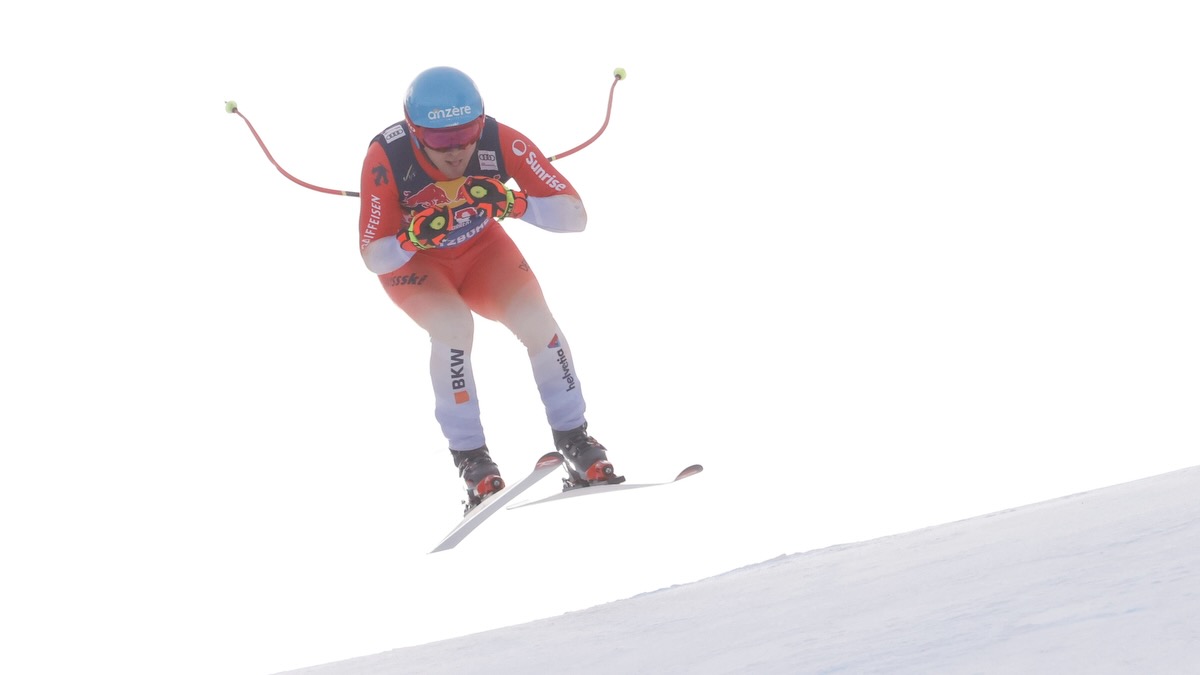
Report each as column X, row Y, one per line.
column 1103, row 581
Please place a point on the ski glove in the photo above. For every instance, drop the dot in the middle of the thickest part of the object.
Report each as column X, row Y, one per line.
column 427, row 228
column 494, row 198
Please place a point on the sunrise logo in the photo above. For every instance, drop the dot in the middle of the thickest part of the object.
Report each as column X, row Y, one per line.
column 553, row 342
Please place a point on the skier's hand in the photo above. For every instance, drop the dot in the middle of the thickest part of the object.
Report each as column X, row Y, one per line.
column 494, row 198
column 427, row 228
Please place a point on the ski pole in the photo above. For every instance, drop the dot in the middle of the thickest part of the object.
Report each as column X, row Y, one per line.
column 618, row 75
column 232, row 107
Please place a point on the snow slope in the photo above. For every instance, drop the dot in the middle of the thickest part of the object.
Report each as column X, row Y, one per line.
column 1099, row 582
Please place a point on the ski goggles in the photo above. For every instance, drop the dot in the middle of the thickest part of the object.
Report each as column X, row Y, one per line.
column 450, row 138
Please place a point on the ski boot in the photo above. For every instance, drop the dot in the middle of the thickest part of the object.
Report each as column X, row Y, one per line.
column 587, row 461
column 480, row 473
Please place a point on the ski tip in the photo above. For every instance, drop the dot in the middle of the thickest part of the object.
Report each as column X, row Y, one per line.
column 690, row 471
column 549, row 460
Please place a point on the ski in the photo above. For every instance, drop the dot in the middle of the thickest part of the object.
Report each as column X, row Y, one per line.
column 490, row 505
column 606, row 487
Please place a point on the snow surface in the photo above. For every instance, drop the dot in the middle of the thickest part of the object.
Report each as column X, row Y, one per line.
column 1099, row 582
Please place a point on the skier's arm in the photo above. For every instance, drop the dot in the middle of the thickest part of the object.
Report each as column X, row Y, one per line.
column 553, row 203
column 380, row 217
column 556, row 213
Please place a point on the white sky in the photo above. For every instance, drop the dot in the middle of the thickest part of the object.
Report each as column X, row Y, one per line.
column 876, row 267
column 1100, row 582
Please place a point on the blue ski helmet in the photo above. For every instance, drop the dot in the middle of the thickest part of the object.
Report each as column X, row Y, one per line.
column 442, row 97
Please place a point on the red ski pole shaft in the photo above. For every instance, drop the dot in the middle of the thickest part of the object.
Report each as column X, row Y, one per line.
column 231, row 106
column 618, row 75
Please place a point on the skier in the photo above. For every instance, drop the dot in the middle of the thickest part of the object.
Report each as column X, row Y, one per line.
column 433, row 193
